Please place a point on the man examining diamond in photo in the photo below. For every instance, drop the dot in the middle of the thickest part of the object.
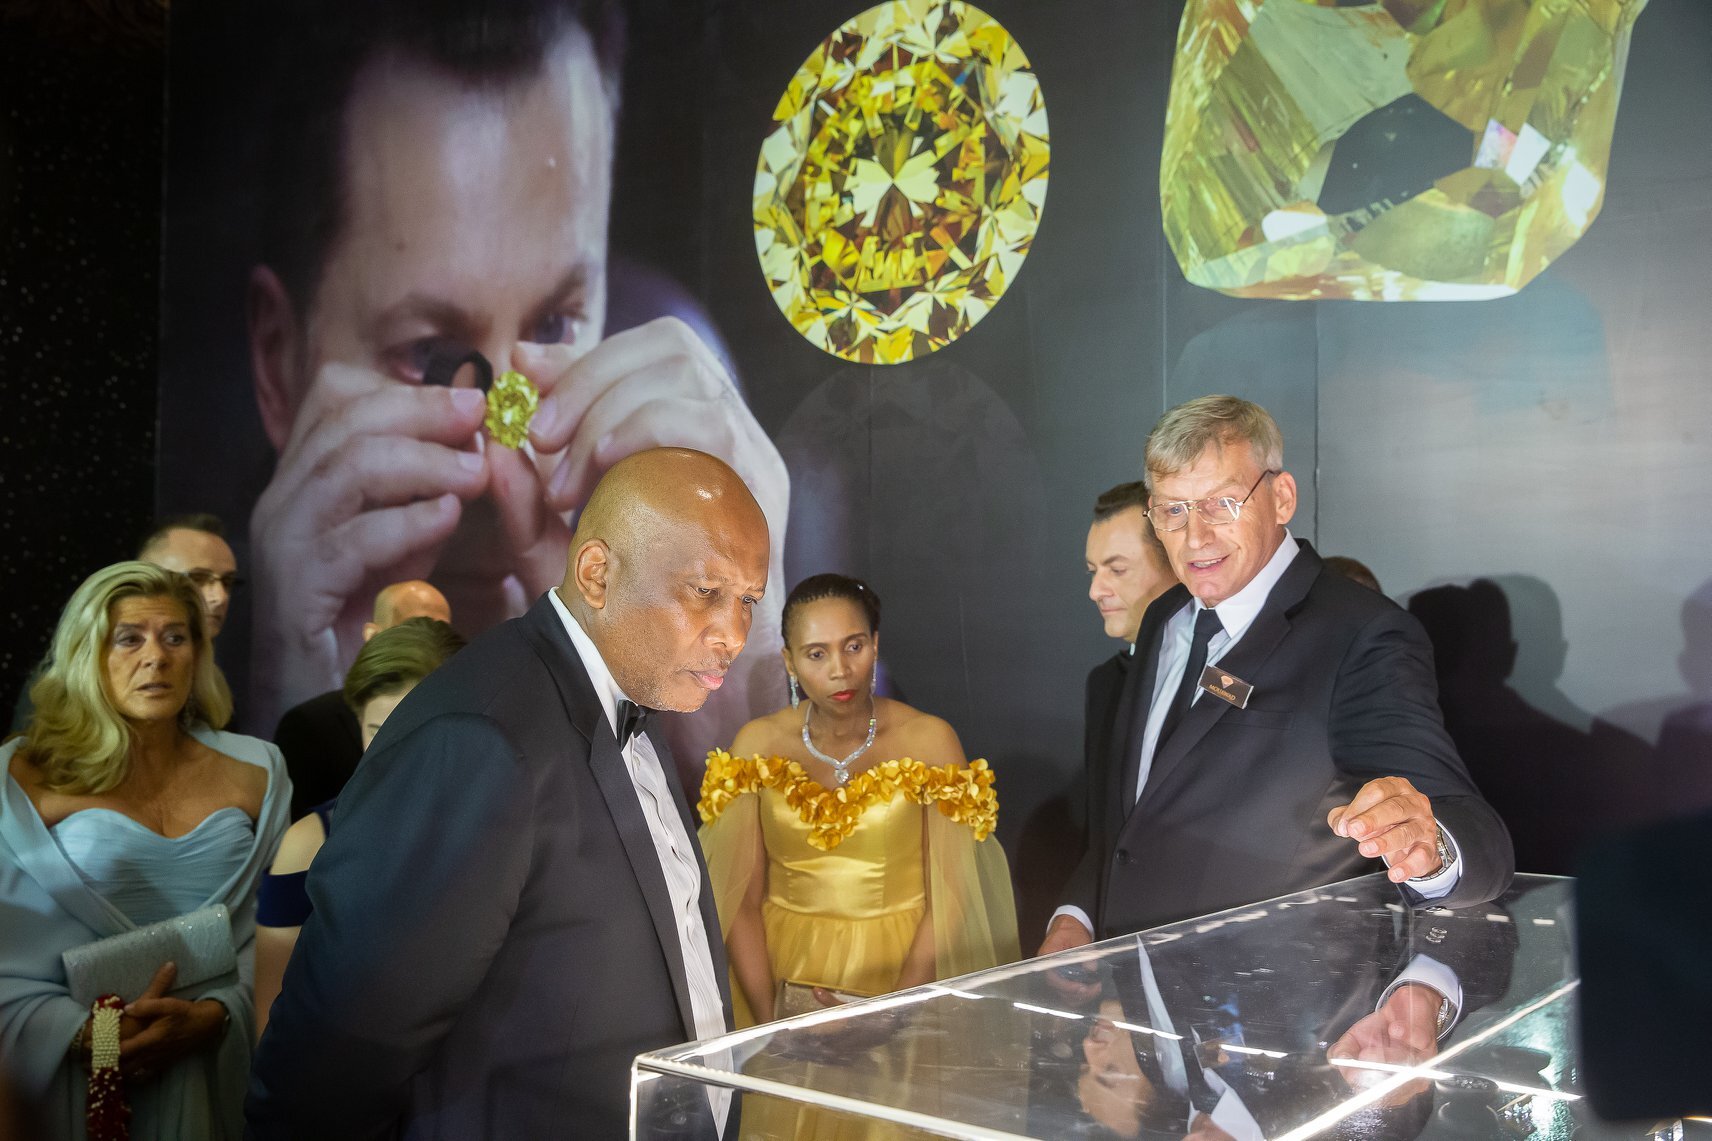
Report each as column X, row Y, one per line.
column 436, row 184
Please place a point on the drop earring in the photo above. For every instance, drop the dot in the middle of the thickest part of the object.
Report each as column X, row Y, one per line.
column 796, row 698
column 874, row 683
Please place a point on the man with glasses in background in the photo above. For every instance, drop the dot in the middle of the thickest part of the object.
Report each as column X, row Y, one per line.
column 195, row 546
column 1280, row 728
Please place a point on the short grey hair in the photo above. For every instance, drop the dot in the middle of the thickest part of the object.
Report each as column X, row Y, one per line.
column 1184, row 432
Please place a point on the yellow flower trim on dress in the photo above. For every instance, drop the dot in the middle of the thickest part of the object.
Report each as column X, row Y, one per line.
column 965, row 795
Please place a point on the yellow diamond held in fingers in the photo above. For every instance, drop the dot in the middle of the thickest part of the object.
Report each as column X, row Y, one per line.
column 1388, row 150
column 899, row 189
column 511, row 404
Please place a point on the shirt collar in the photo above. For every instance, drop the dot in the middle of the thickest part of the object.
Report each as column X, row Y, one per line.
column 600, row 677
column 1238, row 612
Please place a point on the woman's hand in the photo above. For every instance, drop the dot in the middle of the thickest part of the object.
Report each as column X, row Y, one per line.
column 167, row 1028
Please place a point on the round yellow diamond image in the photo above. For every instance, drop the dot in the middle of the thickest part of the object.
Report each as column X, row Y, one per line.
column 511, row 404
column 899, row 190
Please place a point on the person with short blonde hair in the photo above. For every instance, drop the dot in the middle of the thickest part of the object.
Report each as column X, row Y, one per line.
column 1189, row 429
column 1283, row 728
column 125, row 806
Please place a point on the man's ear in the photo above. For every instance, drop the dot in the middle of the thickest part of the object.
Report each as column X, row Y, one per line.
column 274, row 354
column 590, row 566
column 1284, row 495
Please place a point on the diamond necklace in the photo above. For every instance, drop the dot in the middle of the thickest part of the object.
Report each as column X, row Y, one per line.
column 841, row 768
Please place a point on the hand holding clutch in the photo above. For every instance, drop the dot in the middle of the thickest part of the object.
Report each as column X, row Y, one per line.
column 199, row 943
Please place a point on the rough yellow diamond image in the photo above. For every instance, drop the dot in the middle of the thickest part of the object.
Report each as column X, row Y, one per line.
column 511, row 404
column 900, row 187
column 1392, row 150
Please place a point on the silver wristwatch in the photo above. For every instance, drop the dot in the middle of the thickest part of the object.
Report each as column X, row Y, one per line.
column 1447, row 856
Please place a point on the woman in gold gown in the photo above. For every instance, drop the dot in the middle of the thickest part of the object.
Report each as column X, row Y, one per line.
column 895, row 883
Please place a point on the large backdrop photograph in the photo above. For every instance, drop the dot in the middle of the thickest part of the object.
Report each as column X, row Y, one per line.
column 925, row 274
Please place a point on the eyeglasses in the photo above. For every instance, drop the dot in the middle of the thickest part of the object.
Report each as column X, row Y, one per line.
column 1215, row 510
column 207, row 578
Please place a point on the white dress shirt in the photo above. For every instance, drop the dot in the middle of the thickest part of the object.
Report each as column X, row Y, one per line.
column 1236, row 614
column 672, row 842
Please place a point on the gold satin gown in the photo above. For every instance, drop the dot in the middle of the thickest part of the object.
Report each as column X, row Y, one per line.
column 843, row 918
column 849, row 882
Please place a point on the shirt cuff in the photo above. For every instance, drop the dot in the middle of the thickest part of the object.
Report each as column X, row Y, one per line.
column 1427, row 971
column 1075, row 913
column 1442, row 882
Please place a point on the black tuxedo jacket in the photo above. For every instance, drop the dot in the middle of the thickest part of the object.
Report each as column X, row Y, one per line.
column 322, row 743
column 493, row 940
column 1235, row 806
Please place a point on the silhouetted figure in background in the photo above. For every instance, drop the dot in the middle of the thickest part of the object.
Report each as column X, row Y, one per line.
column 1685, row 739
column 1555, row 784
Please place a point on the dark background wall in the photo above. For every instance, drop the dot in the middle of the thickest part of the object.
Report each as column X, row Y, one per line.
column 82, row 101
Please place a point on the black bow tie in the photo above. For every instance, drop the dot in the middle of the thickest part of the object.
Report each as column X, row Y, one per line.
column 632, row 718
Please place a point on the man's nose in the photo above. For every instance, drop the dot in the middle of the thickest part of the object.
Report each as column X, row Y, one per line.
column 1198, row 531
column 730, row 628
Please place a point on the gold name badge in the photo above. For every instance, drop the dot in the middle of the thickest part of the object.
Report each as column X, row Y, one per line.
column 1226, row 687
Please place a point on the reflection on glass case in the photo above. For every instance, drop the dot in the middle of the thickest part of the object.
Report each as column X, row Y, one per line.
column 1338, row 1012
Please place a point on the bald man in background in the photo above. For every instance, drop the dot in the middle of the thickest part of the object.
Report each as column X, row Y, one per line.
column 321, row 740
column 511, row 905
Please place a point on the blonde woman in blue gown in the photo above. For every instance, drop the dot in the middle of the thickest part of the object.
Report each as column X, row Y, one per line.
column 126, row 804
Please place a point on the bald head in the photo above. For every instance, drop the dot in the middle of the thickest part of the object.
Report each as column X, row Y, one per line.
column 669, row 557
column 403, row 601
column 664, row 487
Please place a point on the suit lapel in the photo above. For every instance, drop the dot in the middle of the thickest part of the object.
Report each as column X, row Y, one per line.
column 1246, row 660
column 623, row 802
column 1130, row 725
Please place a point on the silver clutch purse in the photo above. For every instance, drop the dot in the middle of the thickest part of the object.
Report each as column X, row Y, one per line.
column 199, row 942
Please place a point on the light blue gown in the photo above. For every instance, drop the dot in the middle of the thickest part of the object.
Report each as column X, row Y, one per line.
column 99, row 873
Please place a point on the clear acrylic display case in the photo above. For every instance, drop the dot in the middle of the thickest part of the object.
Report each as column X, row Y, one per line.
column 1312, row 1015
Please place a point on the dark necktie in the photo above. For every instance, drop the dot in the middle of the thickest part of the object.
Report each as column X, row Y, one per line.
column 631, row 720
column 1206, row 625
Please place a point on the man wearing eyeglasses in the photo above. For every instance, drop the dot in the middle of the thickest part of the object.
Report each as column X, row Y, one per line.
column 196, row 547
column 1280, row 729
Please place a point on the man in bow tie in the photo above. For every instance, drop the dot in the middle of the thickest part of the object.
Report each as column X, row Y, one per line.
column 1279, row 728
column 511, row 905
